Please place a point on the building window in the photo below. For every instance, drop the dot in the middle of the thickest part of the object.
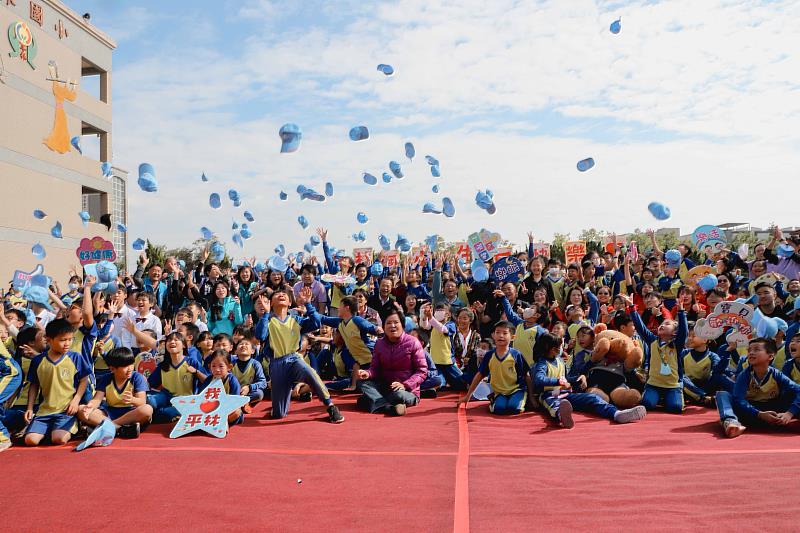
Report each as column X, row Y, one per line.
column 118, row 215
column 94, row 202
column 92, row 80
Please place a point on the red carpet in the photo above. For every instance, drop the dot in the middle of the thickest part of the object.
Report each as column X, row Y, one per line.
column 432, row 470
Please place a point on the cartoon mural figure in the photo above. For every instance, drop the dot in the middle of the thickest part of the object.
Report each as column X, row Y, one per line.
column 59, row 139
column 23, row 45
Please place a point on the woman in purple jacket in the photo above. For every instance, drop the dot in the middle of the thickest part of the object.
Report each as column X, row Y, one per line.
column 397, row 369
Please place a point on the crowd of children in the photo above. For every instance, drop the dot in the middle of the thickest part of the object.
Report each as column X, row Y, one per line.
column 70, row 362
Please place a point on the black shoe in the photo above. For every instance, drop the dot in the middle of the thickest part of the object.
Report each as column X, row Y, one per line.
column 334, row 415
column 130, row 431
column 428, row 393
column 398, row 409
column 305, row 397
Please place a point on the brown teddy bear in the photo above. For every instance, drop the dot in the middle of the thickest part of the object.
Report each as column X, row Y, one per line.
column 614, row 355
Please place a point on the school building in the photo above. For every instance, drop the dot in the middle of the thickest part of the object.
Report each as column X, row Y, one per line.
column 55, row 100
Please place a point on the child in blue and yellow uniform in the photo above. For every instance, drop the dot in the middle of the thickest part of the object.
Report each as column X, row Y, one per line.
column 358, row 334
column 10, row 380
column 791, row 368
column 175, row 376
column 703, row 370
column 30, row 343
column 762, row 394
column 508, row 374
column 441, row 348
column 280, row 335
column 62, row 376
column 527, row 330
column 220, row 365
column 121, row 396
column 249, row 372
column 550, row 378
column 663, row 365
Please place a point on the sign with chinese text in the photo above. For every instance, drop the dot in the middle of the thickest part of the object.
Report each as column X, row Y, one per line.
column 207, row 411
column 709, row 239
column 391, row 259
column 362, row 255
column 508, row 269
column 463, row 251
column 541, row 249
column 611, row 246
column 417, row 256
column 484, row 244
column 95, row 250
column 574, row 251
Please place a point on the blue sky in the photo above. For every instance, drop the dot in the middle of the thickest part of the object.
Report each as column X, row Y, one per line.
column 692, row 104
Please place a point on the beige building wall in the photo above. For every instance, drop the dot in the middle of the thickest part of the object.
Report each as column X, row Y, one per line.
column 31, row 175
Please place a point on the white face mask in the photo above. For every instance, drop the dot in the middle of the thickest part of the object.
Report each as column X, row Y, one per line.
column 528, row 313
column 73, row 286
column 480, row 352
column 439, row 316
column 554, row 272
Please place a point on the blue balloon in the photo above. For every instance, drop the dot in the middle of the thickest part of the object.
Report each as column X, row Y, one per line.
column 384, row 242
column 435, row 189
column 38, row 251
column 480, row 274
column 387, row 70
column 394, row 166
column 245, row 233
column 290, row 135
column 207, row 233
column 376, row 269
column 784, row 250
column 585, row 164
column 39, row 214
column 432, row 160
column 277, row 263
column 430, row 208
column 235, row 225
column 369, row 179
column 329, row 189
column 105, row 168
column 214, row 201
column 314, row 240
column 237, row 203
column 307, row 247
column 122, row 228
column 616, row 26
column 303, row 222
column 359, row 133
column 362, row 218
column 432, row 241
column 435, row 171
column 301, row 189
column 283, row 195
column 410, row 152
column 217, row 251
column 204, row 177
column 362, row 236
column 249, row 216
column 259, row 267
column 658, row 210
column 55, row 231
column 85, row 217
column 147, row 178
column 447, row 207
column 233, row 195
column 673, row 258
column 76, row 143
column 139, row 245
column 483, row 200
column 387, row 178
column 280, row 250
column 237, row 239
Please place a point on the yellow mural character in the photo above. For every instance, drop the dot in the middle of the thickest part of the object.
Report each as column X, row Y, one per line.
column 58, row 141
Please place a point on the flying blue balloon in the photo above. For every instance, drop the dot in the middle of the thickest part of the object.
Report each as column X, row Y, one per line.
column 214, row 201
column 280, row 250
column 85, row 217
column 387, row 178
column 402, row 243
column 376, row 269
column 430, row 208
column 369, row 179
column 362, row 218
column 121, row 227
column 447, row 207
column 432, row 161
column 314, row 240
column 105, row 168
column 307, row 247
column 410, row 152
column 616, row 26
column 139, row 245
column 38, row 251
column 329, row 189
column 245, row 233
column 784, row 250
column 303, row 222
column 237, row 239
column 55, row 231
column 290, row 135
column 283, row 195
column 147, row 178
column 301, row 189
column 585, row 164
column 432, row 241
column 76, row 143
column 249, row 216
column 394, row 166
column 207, row 233
column 359, row 133
column 659, row 210
column 435, row 171
column 204, row 177
column 435, row 189
column 485, row 201
column 233, row 195
column 277, row 263
column 39, row 214
column 362, row 236
column 480, row 273
column 237, row 203
column 384, row 241
column 217, row 251
column 387, row 70
column 235, row 225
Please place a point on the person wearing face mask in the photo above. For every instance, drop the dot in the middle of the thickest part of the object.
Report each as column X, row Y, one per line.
column 73, row 294
column 442, row 332
column 556, row 279
column 466, row 342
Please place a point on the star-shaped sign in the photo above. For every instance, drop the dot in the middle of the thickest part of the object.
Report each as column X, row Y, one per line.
column 207, row 411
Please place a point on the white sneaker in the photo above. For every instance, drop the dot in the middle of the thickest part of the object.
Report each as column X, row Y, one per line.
column 565, row 414
column 633, row 414
column 733, row 428
column 4, row 445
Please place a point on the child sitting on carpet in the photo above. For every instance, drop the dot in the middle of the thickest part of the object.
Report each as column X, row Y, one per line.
column 507, row 371
column 220, row 364
column 121, row 395
column 762, row 395
column 249, row 373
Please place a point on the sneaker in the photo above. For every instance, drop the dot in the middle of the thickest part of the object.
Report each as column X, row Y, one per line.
column 334, row 415
column 398, row 409
column 305, row 397
column 630, row 415
column 732, row 428
column 130, row 431
column 4, row 445
column 428, row 393
column 565, row 414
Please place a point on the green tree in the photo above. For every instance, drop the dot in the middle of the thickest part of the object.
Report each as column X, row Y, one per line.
column 557, row 246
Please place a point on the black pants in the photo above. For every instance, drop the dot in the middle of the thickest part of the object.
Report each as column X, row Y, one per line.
column 378, row 396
